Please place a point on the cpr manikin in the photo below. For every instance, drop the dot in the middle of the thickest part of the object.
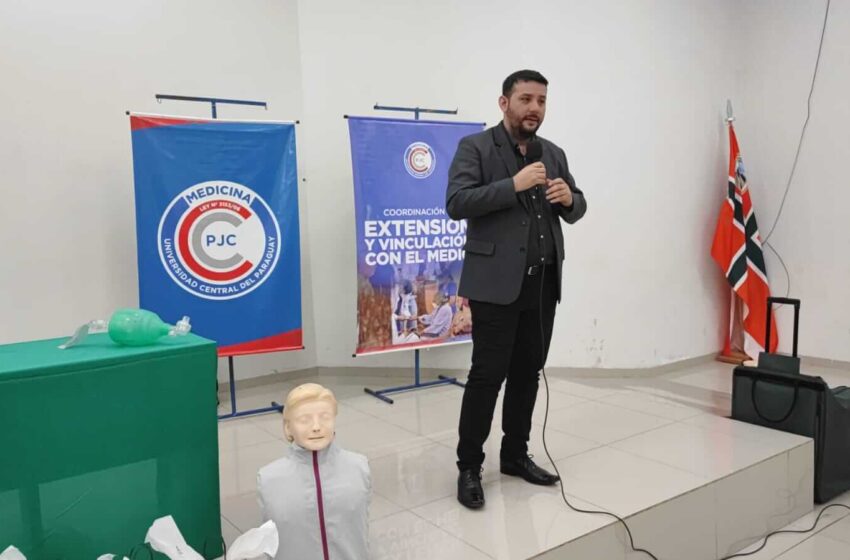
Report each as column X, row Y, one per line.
column 317, row 494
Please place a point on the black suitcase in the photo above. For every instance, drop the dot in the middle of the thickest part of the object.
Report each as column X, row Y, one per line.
column 776, row 395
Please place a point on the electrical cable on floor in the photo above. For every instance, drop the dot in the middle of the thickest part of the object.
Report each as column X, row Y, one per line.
column 617, row 517
column 797, row 532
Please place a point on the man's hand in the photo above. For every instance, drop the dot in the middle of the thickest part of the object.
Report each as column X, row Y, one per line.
column 530, row 175
column 557, row 191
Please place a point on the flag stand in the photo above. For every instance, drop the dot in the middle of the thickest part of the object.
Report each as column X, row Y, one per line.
column 736, row 358
column 727, row 355
column 214, row 101
column 417, row 383
column 733, row 350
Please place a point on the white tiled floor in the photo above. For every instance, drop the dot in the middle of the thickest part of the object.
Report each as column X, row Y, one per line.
column 626, row 445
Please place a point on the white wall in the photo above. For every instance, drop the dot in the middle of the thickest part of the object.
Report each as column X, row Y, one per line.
column 637, row 100
column 637, row 95
column 69, row 71
column 780, row 43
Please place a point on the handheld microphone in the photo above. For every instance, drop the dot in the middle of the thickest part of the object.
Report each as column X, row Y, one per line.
column 533, row 154
column 533, row 151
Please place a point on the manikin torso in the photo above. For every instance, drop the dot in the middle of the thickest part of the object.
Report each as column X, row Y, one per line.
column 317, row 494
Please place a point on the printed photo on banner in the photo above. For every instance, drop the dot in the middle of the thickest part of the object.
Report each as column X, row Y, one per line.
column 409, row 252
column 408, row 295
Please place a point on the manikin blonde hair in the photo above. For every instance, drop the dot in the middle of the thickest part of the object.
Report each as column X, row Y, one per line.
column 306, row 393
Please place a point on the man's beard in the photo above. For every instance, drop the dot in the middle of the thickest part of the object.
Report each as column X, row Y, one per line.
column 521, row 133
column 527, row 134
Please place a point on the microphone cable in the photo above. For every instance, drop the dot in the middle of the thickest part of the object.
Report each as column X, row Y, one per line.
column 608, row 513
column 769, row 246
column 546, row 412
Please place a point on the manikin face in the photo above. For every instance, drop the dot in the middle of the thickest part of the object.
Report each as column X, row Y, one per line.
column 524, row 109
column 311, row 424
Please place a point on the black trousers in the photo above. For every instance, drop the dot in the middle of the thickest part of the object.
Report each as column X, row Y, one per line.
column 506, row 345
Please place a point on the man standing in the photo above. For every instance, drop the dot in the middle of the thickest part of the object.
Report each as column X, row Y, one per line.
column 512, row 187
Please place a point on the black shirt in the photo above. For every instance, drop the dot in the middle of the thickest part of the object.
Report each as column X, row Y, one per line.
column 541, row 243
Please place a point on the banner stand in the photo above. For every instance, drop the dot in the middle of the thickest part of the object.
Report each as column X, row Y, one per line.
column 417, row 384
column 213, row 101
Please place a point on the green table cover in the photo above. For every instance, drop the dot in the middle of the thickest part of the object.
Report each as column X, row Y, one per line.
column 98, row 440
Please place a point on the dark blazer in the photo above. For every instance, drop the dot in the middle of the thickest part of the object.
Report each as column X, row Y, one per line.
column 481, row 190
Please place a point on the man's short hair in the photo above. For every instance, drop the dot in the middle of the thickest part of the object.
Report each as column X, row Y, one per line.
column 522, row 76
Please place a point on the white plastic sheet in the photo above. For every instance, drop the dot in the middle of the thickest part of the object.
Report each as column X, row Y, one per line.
column 259, row 542
column 165, row 537
column 13, row 553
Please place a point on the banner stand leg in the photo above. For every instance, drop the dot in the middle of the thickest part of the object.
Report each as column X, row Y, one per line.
column 443, row 380
column 275, row 407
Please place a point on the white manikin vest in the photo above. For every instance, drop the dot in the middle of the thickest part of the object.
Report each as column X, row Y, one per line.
column 289, row 491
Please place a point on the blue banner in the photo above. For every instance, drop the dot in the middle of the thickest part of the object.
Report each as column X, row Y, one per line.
column 409, row 252
column 217, row 229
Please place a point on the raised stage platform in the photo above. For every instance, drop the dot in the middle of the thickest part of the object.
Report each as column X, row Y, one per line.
column 658, row 451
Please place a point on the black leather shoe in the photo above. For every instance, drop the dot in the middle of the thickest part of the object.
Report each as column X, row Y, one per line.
column 526, row 468
column 469, row 491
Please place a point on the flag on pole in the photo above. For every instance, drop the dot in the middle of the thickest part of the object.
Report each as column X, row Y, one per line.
column 737, row 249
